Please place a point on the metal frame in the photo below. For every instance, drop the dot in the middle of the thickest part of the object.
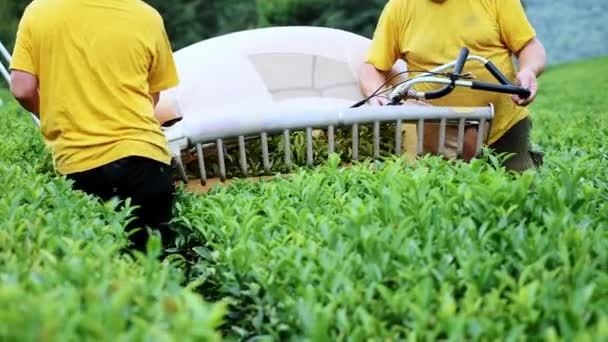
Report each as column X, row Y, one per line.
column 4, row 70
column 285, row 122
column 404, row 90
column 215, row 130
column 6, row 59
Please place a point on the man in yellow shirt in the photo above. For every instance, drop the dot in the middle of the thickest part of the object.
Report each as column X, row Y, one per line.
column 92, row 71
column 430, row 33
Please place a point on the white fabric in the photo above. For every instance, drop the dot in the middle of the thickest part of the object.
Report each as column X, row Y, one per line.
column 305, row 67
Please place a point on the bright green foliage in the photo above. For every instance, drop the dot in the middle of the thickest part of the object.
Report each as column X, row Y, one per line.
column 572, row 113
column 379, row 251
column 22, row 145
column 427, row 252
column 63, row 275
column 434, row 250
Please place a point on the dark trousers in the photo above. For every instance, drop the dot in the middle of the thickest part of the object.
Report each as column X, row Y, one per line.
column 149, row 185
column 517, row 141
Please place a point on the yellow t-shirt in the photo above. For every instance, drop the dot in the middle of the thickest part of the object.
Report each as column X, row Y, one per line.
column 426, row 35
column 97, row 62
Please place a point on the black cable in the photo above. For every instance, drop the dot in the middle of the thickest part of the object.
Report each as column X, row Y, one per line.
column 362, row 102
column 427, row 72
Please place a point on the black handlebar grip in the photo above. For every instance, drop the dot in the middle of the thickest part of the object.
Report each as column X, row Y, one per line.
column 499, row 76
column 523, row 92
column 462, row 59
column 435, row 94
column 458, row 67
column 499, row 88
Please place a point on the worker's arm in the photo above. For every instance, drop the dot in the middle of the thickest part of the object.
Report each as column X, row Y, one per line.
column 24, row 87
column 520, row 38
column 370, row 80
column 24, row 66
column 384, row 51
column 532, row 60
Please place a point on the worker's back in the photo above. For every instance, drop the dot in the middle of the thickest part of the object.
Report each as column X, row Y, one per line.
column 97, row 62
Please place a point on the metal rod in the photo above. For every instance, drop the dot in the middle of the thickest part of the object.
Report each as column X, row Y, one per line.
column 331, row 137
column 309, row 149
column 208, row 128
column 4, row 70
column 265, row 156
column 4, row 52
column 402, row 88
column 480, row 133
column 490, row 123
column 220, row 157
column 287, row 148
column 181, row 170
column 243, row 155
column 442, row 131
column 201, row 164
column 376, row 139
column 453, row 63
column 420, row 137
column 36, row 120
column 355, row 142
column 398, row 136
column 5, row 74
column 461, row 137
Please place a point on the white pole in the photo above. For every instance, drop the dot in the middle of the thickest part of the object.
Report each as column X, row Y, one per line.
column 4, row 53
column 5, row 74
column 402, row 89
column 233, row 123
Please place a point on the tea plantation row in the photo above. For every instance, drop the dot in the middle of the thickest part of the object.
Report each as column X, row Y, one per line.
column 63, row 276
column 377, row 251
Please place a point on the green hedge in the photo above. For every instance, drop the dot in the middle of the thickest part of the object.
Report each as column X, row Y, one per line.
column 63, row 274
column 435, row 251
column 379, row 251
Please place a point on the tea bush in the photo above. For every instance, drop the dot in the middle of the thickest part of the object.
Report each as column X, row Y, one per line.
column 63, row 273
column 378, row 251
column 432, row 251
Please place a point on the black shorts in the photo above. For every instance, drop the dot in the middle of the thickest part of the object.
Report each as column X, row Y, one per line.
column 149, row 185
